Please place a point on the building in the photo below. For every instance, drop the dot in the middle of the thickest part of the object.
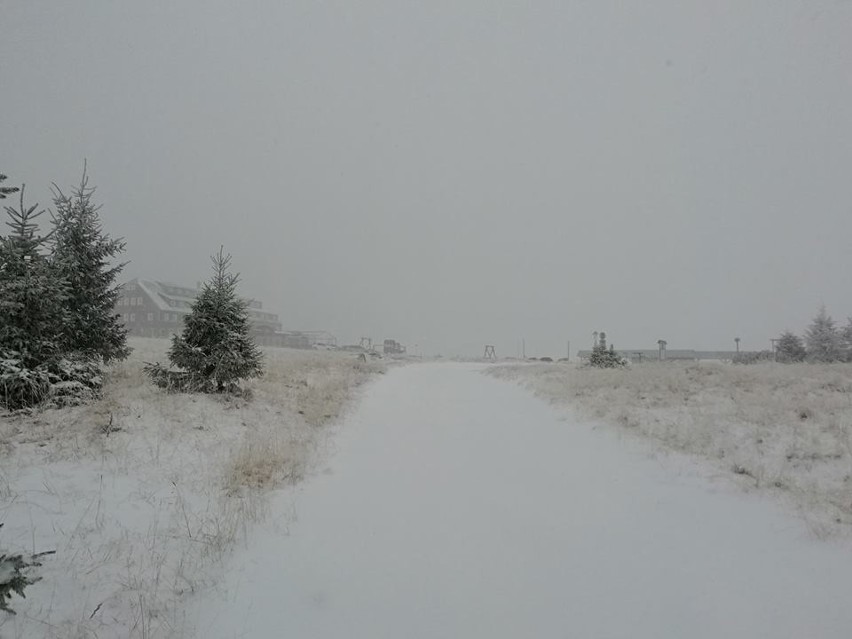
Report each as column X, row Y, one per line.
column 392, row 347
column 157, row 309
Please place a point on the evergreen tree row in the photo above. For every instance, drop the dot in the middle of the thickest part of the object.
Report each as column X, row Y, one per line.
column 58, row 326
column 57, row 293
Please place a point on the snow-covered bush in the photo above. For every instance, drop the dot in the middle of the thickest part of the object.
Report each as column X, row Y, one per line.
column 790, row 348
column 753, row 357
column 20, row 386
column 215, row 350
column 65, row 382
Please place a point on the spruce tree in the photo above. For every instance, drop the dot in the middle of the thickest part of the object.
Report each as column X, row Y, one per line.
column 31, row 294
column 215, row 349
column 82, row 255
column 32, row 316
column 790, row 348
column 822, row 339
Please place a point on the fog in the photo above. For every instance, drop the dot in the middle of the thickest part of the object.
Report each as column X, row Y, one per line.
column 452, row 174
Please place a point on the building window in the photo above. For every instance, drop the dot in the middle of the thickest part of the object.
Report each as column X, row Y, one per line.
column 138, row 301
column 132, row 317
column 150, row 317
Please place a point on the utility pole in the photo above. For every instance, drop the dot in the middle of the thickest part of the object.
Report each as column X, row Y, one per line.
column 523, row 348
column 568, row 350
column 737, row 340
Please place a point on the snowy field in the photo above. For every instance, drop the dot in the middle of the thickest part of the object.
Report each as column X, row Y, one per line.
column 143, row 493
column 458, row 505
column 784, row 429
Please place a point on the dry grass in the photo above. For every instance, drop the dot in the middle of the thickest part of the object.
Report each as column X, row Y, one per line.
column 142, row 493
column 785, row 428
column 265, row 459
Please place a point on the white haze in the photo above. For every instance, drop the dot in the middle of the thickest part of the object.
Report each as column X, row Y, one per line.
column 453, row 174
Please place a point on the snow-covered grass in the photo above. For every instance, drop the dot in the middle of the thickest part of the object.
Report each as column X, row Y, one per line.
column 142, row 493
column 783, row 428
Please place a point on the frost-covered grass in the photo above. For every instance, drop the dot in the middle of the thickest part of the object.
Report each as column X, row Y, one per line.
column 783, row 428
column 142, row 493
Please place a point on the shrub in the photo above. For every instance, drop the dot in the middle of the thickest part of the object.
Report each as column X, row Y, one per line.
column 63, row 383
column 753, row 357
column 790, row 348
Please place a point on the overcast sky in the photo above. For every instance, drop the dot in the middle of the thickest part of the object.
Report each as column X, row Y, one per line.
column 457, row 173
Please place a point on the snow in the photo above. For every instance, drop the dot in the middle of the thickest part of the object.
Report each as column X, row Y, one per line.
column 143, row 493
column 777, row 428
column 458, row 505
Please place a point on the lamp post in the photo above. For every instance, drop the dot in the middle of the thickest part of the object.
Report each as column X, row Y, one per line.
column 737, row 340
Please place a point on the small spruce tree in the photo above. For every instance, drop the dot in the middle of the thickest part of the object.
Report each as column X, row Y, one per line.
column 215, row 350
column 822, row 340
column 790, row 348
column 603, row 357
column 82, row 255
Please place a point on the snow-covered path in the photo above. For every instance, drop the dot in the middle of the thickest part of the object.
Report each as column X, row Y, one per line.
column 458, row 505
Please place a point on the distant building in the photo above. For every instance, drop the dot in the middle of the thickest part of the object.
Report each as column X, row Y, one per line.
column 392, row 347
column 157, row 309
